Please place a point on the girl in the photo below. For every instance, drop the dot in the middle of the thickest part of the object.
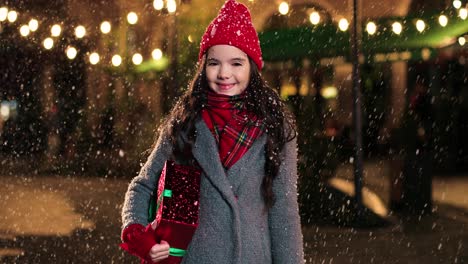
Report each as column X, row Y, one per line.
column 237, row 130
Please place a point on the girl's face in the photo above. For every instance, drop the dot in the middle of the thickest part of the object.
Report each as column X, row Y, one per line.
column 227, row 70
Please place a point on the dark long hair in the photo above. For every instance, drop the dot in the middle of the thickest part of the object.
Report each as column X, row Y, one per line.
column 261, row 100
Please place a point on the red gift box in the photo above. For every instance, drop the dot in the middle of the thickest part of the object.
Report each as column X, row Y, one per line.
column 177, row 204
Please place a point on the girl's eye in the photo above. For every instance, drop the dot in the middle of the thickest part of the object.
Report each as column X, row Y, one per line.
column 237, row 64
column 212, row 63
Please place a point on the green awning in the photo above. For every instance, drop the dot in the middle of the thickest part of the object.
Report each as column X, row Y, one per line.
column 327, row 40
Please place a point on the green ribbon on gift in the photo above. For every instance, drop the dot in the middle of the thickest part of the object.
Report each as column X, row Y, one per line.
column 153, row 206
column 176, row 252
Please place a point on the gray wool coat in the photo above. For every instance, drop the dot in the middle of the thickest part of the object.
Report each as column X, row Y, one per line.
column 233, row 225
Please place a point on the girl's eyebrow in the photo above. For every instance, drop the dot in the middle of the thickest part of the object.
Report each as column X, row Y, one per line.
column 233, row 59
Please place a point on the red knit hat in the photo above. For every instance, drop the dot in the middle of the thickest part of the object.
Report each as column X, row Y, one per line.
column 233, row 26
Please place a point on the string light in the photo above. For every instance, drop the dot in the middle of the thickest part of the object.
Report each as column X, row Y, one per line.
column 420, row 25
column 283, row 8
column 71, row 52
column 132, row 18
column 94, row 58
column 461, row 41
column 463, row 13
column 80, row 31
column 171, row 6
column 157, row 54
column 3, row 13
column 56, row 30
column 343, row 24
column 158, row 4
column 116, row 60
column 314, row 18
column 48, row 43
column 457, row 4
column 12, row 16
column 24, row 30
column 137, row 59
column 371, row 28
column 105, row 27
column 397, row 28
column 33, row 24
column 443, row 20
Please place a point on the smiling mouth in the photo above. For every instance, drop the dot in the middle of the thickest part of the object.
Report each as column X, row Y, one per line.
column 225, row 86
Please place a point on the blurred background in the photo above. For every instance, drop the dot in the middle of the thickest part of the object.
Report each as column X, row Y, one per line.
column 84, row 85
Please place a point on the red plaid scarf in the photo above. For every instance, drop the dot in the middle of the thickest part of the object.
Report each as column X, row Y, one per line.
column 233, row 127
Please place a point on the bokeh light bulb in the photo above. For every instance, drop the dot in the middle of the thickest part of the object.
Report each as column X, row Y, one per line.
column 56, row 30
column 457, row 4
column 443, row 20
column 158, row 4
column 132, row 18
column 24, row 30
column 371, row 28
column 283, row 8
column 171, row 6
column 157, row 54
column 3, row 13
column 48, row 43
column 343, row 24
column 94, row 58
column 12, row 16
column 80, row 31
column 463, row 13
column 397, row 28
column 116, row 60
column 420, row 25
column 137, row 59
column 314, row 18
column 71, row 52
column 105, row 27
column 33, row 24
column 461, row 41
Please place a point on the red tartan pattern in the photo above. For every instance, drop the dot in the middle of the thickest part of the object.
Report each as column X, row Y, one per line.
column 234, row 129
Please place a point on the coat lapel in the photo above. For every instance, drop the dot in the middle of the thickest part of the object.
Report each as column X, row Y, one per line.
column 205, row 152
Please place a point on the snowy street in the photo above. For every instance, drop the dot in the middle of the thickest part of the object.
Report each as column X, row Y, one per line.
column 46, row 219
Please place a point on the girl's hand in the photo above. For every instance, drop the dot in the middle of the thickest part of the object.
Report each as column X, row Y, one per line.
column 159, row 252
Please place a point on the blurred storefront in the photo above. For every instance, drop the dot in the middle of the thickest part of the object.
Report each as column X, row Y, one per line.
column 87, row 79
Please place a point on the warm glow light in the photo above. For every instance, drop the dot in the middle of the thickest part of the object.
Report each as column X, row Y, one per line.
column 48, row 43
column 12, row 16
column 371, row 28
column 343, row 24
column 190, row 39
column 71, row 52
column 94, row 58
column 329, row 92
column 116, row 60
column 443, row 20
column 314, row 18
column 105, row 27
column 158, row 4
column 33, row 24
column 3, row 13
column 463, row 13
column 283, row 8
column 5, row 111
column 461, row 41
column 56, row 30
column 397, row 28
column 80, row 31
column 137, row 59
column 157, row 54
column 457, row 4
column 171, row 6
column 420, row 25
column 132, row 18
column 24, row 30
